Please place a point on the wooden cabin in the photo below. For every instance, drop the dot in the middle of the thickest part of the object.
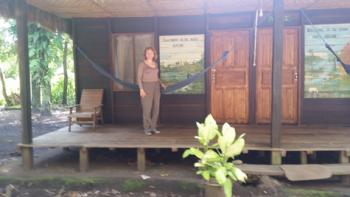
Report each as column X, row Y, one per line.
column 278, row 74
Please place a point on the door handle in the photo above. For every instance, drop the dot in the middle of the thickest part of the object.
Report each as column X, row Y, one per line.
column 295, row 76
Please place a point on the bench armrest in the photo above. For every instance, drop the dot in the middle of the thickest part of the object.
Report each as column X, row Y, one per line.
column 72, row 107
column 98, row 106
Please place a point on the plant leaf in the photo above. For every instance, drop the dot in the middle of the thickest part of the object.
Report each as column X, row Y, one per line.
column 187, row 153
column 202, row 134
column 193, row 151
column 211, row 156
column 198, row 165
column 220, row 175
column 229, row 133
column 239, row 174
column 210, row 122
column 206, row 175
column 236, row 148
column 231, row 175
column 222, row 144
column 228, row 188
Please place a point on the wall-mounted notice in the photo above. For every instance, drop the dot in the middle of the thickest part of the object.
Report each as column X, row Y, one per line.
column 324, row 76
column 180, row 57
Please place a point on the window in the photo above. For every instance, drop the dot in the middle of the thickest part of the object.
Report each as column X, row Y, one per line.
column 180, row 57
column 127, row 54
column 324, row 76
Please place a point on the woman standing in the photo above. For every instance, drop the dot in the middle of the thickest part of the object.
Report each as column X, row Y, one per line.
column 149, row 84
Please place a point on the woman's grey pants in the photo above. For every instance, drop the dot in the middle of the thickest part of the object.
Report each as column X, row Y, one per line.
column 150, row 105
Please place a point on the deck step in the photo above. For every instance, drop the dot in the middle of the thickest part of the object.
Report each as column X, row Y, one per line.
column 277, row 170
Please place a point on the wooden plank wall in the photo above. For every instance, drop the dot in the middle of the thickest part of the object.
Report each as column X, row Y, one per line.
column 93, row 37
column 182, row 108
column 174, row 108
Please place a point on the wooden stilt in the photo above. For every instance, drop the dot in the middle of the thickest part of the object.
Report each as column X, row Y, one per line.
column 276, row 157
column 69, row 123
column 27, row 158
column 84, row 159
column 313, row 156
column 344, row 159
column 303, row 157
column 141, row 159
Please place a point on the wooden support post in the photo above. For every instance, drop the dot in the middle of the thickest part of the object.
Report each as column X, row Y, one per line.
column 344, row 159
column 84, row 159
column 313, row 155
column 141, row 159
column 27, row 158
column 276, row 157
column 277, row 61
column 24, row 77
column 303, row 157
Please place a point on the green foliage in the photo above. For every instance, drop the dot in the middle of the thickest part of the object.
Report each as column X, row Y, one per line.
column 46, row 54
column 215, row 159
column 40, row 54
column 311, row 193
column 8, row 62
column 57, row 92
column 46, row 58
column 2, row 102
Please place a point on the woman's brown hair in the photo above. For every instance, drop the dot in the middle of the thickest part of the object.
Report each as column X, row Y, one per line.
column 155, row 55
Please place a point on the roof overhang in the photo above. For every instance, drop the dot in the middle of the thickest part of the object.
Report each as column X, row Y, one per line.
column 147, row 8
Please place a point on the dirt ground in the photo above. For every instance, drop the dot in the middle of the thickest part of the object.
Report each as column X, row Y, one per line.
column 10, row 129
column 112, row 172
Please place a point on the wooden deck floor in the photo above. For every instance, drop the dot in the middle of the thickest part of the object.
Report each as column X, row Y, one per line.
column 257, row 138
column 305, row 140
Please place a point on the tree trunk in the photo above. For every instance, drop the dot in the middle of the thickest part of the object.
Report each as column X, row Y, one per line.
column 46, row 94
column 46, row 89
column 65, row 80
column 4, row 93
column 36, row 96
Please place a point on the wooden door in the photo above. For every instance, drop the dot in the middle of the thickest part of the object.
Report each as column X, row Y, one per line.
column 229, row 96
column 289, row 75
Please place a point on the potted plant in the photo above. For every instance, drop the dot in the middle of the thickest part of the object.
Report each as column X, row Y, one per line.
column 215, row 157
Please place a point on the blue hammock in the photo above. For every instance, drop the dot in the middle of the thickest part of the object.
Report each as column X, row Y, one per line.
column 169, row 89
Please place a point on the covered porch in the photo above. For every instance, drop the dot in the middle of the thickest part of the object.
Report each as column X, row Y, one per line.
column 92, row 25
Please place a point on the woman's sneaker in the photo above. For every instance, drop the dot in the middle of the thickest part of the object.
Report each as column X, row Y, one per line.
column 148, row 132
column 156, row 131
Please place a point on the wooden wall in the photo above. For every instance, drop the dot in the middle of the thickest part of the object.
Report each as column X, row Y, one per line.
column 94, row 36
column 174, row 108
